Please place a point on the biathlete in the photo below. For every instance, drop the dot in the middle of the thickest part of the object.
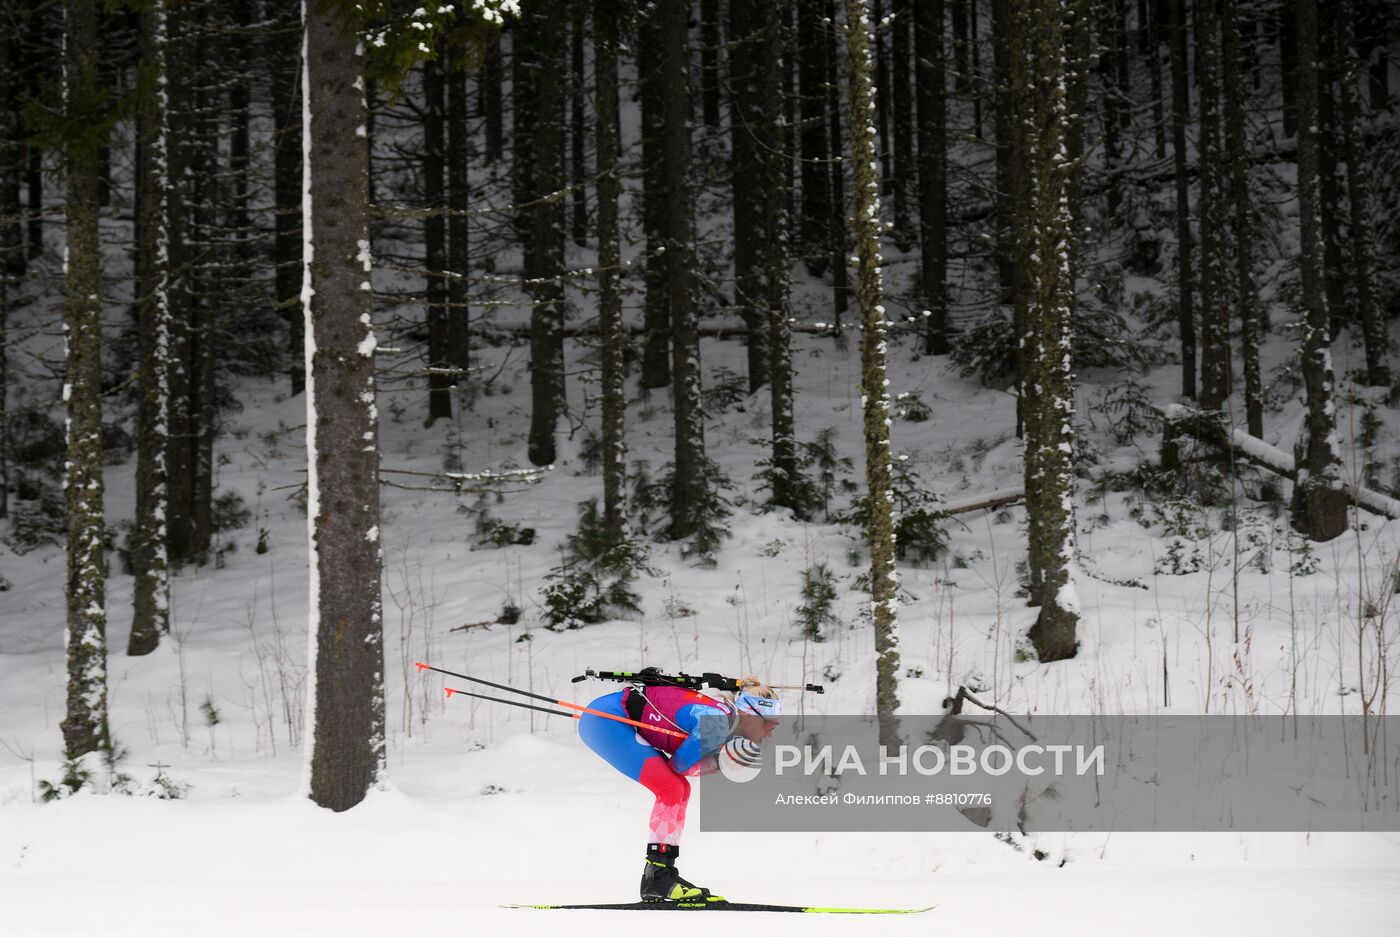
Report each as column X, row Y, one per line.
column 714, row 730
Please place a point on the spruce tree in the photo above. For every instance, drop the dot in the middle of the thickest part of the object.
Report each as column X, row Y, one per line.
column 1046, row 239
column 1319, row 509
column 150, row 565
column 85, row 728
column 677, row 229
column 345, row 717
column 884, row 580
column 612, row 337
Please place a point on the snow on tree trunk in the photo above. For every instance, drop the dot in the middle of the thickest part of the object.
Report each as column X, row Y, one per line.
column 612, row 336
column 85, row 724
column 1319, row 509
column 1047, row 246
column 345, row 712
column 151, row 589
column 678, row 238
column 875, row 395
column 773, row 186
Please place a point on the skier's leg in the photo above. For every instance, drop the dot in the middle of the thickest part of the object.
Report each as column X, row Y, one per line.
column 618, row 745
column 672, row 794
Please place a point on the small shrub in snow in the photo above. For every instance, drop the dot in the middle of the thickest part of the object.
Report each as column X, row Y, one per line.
column 819, row 477
column 38, row 522
column 815, row 613
column 723, row 391
column 918, row 517
column 595, row 581
column 494, row 532
column 229, row 512
column 909, row 407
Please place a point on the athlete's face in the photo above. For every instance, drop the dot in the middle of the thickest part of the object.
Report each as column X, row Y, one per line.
column 755, row 728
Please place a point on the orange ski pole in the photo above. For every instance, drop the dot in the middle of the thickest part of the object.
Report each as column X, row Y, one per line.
column 558, row 702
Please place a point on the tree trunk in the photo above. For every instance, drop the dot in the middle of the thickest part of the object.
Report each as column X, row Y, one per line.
column 1215, row 332
column 180, row 146
column 1185, row 278
column 523, row 69
column 775, row 227
column 1153, row 28
column 208, row 279
column 490, row 105
column 150, row 564
column 1329, row 143
column 240, row 142
column 814, row 235
column 1005, row 134
column 441, row 379
column 881, row 64
column 747, row 114
column 1047, row 244
column 40, row 53
column 840, row 254
column 961, row 44
column 1288, row 63
column 1237, row 156
column 710, row 41
column 933, row 170
column 677, row 222
column 345, row 717
column 1110, row 28
column 612, row 337
column 656, row 346
column 884, row 582
column 284, row 52
column 578, row 168
column 545, row 271
column 85, row 728
column 902, row 101
column 1319, row 509
column 458, row 235
column 1358, row 193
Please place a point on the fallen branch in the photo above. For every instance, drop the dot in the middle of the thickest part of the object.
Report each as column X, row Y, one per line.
column 1184, row 421
column 987, row 502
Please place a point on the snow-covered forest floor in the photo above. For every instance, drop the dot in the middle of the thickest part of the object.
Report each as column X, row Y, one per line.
column 490, row 805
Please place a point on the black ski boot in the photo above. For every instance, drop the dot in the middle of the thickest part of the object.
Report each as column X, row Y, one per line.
column 661, row 881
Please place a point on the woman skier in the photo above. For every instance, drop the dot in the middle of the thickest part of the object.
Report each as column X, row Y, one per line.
column 715, row 731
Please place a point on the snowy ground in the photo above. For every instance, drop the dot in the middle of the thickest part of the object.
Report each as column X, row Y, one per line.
column 488, row 807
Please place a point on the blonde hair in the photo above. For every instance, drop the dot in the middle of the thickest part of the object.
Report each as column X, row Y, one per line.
column 756, row 687
column 749, row 684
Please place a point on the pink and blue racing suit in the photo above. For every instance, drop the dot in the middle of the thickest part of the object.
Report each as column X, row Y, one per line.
column 659, row 761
